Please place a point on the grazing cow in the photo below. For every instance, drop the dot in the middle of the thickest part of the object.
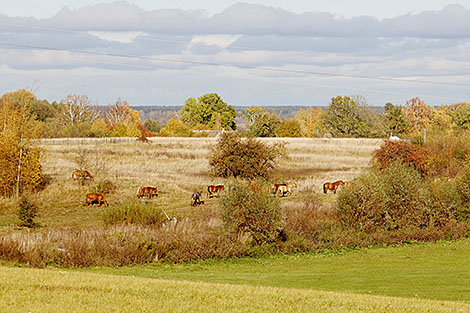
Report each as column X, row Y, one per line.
column 95, row 198
column 213, row 191
column 149, row 191
column 196, row 198
column 81, row 175
column 332, row 186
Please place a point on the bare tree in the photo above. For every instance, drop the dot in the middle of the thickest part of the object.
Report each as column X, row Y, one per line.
column 117, row 113
column 76, row 109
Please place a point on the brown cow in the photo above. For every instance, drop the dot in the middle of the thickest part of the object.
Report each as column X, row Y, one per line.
column 214, row 190
column 82, row 175
column 95, row 198
column 149, row 191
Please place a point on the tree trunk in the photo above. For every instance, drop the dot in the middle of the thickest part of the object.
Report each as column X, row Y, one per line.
column 19, row 174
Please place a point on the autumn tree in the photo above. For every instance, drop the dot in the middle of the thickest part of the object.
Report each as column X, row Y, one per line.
column 261, row 122
column 418, row 114
column 20, row 167
column 461, row 115
column 122, row 120
column 310, row 121
column 289, row 128
column 76, row 109
column 209, row 110
column 176, row 128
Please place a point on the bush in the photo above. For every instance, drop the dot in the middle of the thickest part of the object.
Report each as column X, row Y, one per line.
column 134, row 214
column 412, row 154
column 249, row 158
column 394, row 198
column 250, row 208
column 463, row 189
column 104, row 186
column 27, row 212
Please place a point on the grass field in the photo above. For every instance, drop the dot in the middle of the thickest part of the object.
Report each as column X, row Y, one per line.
column 439, row 271
column 410, row 278
column 414, row 278
column 177, row 166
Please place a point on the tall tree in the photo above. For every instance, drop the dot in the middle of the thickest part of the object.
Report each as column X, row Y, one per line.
column 209, row 110
column 261, row 122
column 289, row 128
column 396, row 120
column 122, row 120
column 20, row 167
column 76, row 109
column 418, row 114
column 310, row 121
column 343, row 117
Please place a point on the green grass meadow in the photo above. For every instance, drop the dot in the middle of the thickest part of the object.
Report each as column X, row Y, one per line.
column 410, row 278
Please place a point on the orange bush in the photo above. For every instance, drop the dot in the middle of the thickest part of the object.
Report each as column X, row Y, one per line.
column 416, row 155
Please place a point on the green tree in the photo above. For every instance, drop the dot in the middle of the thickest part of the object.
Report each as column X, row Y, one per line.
column 248, row 158
column 396, row 120
column 209, row 110
column 289, row 128
column 20, row 167
column 343, row 118
column 152, row 125
column 261, row 122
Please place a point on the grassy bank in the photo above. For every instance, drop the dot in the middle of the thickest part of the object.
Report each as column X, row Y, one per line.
column 45, row 290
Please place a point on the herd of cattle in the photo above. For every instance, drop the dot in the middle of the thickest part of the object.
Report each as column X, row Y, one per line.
column 149, row 192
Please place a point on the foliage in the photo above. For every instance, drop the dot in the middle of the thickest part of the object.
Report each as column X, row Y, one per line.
column 463, row 189
column 122, row 120
column 104, row 186
column 133, row 214
column 461, row 116
column 394, row 198
column 76, row 109
column 261, row 122
column 418, row 114
column 176, row 128
column 289, row 128
column 396, row 120
column 27, row 212
column 152, row 125
column 19, row 155
column 249, row 208
column 391, row 151
column 209, row 110
column 310, row 121
column 248, row 158
column 343, row 118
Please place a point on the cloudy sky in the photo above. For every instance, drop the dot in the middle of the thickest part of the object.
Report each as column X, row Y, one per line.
column 250, row 53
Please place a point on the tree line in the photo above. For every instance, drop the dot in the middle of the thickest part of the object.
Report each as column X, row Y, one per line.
column 76, row 116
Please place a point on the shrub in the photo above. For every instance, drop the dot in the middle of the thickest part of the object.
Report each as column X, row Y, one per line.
column 104, row 186
column 250, row 208
column 394, row 198
column 249, row 158
column 134, row 214
column 463, row 189
column 27, row 212
column 391, row 151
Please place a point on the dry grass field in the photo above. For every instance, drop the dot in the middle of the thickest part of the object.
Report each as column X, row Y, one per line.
column 177, row 166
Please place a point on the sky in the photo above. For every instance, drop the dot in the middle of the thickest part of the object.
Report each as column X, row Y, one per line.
column 250, row 52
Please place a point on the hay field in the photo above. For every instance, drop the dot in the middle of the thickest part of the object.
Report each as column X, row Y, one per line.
column 177, row 166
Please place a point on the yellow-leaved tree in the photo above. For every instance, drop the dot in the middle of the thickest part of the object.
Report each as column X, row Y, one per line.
column 20, row 166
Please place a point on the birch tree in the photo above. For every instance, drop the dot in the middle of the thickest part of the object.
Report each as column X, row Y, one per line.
column 20, row 167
